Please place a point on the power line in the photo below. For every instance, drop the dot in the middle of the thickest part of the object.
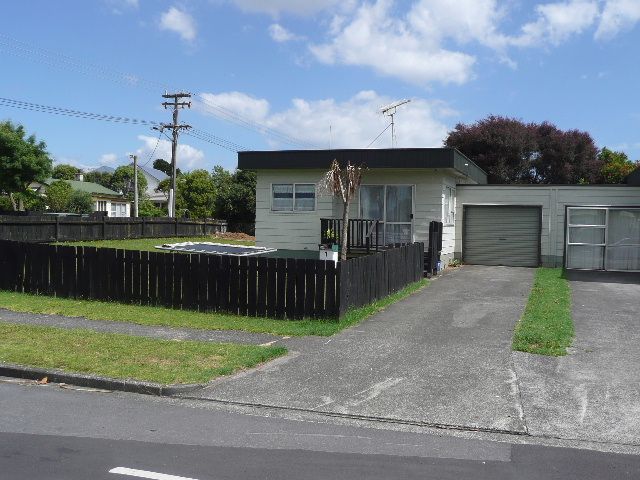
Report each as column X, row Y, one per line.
column 379, row 135
column 201, row 134
column 34, row 53
column 153, row 152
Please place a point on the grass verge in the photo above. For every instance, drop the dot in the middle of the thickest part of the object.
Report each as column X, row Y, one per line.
column 123, row 356
column 546, row 327
column 149, row 244
column 158, row 316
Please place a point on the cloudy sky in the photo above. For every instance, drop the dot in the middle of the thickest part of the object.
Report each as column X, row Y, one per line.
column 283, row 74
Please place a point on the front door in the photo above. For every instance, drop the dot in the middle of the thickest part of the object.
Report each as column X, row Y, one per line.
column 393, row 205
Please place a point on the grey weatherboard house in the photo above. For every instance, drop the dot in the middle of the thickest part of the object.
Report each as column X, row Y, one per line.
column 577, row 226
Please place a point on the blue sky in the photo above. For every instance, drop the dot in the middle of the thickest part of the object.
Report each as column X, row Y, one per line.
column 290, row 73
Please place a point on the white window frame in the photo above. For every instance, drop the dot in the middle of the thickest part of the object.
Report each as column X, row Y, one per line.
column 293, row 203
column 383, row 221
column 101, row 203
column 605, row 246
column 448, row 207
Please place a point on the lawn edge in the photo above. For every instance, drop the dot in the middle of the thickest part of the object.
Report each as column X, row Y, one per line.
column 521, row 345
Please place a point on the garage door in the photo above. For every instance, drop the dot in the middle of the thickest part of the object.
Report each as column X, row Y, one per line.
column 501, row 235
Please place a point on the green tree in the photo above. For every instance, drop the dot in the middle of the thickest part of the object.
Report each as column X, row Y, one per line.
column 196, row 195
column 22, row 160
column 101, row 178
column 615, row 166
column 235, row 198
column 58, row 196
column 65, row 171
column 163, row 166
column 80, row 202
column 148, row 209
column 122, row 181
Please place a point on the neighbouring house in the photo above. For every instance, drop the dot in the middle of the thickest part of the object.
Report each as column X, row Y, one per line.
column 154, row 177
column 595, row 227
column 104, row 199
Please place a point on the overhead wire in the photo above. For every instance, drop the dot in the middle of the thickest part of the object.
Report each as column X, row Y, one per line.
column 199, row 134
column 31, row 52
column 379, row 135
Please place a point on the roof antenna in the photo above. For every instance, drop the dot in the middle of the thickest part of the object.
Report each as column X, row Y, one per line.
column 390, row 111
column 329, row 136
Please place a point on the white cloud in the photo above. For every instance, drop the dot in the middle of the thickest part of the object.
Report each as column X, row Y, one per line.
column 557, row 22
column 188, row 156
column 108, row 159
column 280, row 34
column 296, row 7
column 180, row 22
column 118, row 6
column 354, row 122
column 395, row 47
column 236, row 102
column 617, row 16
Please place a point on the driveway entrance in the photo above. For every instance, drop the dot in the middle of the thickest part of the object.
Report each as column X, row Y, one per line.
column 441, row 356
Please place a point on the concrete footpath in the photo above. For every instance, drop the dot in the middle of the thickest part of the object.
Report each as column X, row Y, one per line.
column 441, row 356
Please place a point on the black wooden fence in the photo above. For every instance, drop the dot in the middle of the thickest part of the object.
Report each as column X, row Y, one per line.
column 254, row 286
column 49, row 228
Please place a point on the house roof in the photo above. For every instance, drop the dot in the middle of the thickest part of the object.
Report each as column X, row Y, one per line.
column 90, row 187
column 152, row 172
column 373, row 158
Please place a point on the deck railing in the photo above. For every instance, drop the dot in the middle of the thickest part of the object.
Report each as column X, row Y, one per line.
column 363, row 234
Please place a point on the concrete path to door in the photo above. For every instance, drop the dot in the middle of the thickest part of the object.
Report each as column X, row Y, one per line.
column 442, row 356
column 594, row 392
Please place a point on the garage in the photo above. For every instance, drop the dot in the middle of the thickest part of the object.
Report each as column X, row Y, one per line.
column 502, row 235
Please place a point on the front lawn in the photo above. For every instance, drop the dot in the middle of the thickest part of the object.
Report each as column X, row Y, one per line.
column 149, row 244
column 546, row 327
column 159, row 316
column 123, row 356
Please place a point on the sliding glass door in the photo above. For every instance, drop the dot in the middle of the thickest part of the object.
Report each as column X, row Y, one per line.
column 391, row 204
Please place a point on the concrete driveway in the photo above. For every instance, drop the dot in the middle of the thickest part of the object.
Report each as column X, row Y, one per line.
column 593, row 393
column 442, row 356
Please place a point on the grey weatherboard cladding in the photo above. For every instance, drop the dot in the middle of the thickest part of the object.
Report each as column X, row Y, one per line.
column 502, row 235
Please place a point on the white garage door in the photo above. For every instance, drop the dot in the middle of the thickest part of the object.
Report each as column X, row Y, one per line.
column 601, row 238
column 501, row 235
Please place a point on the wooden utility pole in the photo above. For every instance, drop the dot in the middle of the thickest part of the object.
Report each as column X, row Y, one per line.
column 176, row 104
column 135, row 185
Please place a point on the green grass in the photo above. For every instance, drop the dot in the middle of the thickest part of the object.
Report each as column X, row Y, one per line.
column 144, row 315
column 149, row 244
column 546, row 327
column 123, row 356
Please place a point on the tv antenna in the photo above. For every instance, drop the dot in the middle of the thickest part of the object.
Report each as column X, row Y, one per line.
column 390, row 111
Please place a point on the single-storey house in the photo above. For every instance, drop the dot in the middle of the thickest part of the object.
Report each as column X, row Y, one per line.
column 154, row 177
column 104, row 199
column 575, row 226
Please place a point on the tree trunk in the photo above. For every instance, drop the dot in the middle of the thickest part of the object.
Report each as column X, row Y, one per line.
column 345, row 230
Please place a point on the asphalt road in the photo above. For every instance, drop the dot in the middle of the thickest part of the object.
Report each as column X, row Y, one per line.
column 47, row 432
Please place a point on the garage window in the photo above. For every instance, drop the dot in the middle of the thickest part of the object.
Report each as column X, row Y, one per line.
column 603, row 238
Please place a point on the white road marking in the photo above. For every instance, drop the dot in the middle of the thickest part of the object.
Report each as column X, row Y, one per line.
column 132, row 472
column 268, row 344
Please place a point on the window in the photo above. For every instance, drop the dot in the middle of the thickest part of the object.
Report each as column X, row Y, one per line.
column 101, row 206
column 449, row 206
column 118, row 209
column 293, row 197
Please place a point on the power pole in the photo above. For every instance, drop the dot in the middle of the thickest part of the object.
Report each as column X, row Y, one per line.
column 176, row 104
column 135, row 185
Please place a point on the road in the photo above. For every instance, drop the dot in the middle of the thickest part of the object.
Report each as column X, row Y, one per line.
column 47, row 432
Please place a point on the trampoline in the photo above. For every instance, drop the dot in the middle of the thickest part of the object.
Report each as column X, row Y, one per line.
column 215, row 248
